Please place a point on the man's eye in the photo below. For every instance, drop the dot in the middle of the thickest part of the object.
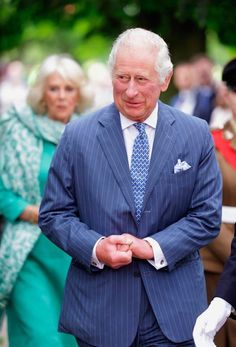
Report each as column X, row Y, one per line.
column 141, row 79
column 123, row 78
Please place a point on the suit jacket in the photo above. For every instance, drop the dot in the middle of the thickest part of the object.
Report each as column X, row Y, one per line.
column 89, row 194
column 227, row 283
column 204, row 103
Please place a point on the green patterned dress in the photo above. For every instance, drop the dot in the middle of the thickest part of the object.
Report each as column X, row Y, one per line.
column 33, row 303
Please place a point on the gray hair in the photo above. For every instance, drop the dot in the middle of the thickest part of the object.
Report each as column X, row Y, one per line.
column 70, row 71
column 138, row 36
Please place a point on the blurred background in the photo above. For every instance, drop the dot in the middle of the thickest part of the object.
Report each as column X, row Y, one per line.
column 85, row 29
column 31, row 30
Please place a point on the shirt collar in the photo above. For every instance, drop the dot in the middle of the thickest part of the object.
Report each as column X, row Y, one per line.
column 151, row 120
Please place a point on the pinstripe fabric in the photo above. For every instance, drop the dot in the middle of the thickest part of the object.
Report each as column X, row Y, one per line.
column 89, row 194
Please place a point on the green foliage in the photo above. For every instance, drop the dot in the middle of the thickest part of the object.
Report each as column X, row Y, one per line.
column 85, row 28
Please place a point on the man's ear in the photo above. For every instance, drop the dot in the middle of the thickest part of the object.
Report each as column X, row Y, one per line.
column 165, row 84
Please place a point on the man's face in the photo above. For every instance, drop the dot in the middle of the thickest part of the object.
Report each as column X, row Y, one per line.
column 203, row 70
column 183, row 77
column 136, row 86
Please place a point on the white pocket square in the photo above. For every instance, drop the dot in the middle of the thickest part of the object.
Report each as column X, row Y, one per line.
column 181, row 166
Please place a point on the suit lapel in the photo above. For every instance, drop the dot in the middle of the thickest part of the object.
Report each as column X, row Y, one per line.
column 112, row 142
column 165, row 137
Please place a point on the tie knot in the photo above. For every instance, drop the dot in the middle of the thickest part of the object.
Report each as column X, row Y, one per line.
column 140, row 127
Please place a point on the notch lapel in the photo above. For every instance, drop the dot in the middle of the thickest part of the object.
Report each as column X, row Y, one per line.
column 164, row 140
column 111, row 139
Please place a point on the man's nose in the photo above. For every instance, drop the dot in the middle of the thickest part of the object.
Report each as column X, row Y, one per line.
column 131, row 90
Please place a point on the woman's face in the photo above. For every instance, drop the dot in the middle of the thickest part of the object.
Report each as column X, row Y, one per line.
column 61, row 98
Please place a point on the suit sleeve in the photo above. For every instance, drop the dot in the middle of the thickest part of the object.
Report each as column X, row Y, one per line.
column 202, row 221
column 59, row 215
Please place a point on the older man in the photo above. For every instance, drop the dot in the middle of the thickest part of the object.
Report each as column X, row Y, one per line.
column 134, row 191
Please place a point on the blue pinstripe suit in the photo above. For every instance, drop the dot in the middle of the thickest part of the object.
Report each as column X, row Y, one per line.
column 89, row 194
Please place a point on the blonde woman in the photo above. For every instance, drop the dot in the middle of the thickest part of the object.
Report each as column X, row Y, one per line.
column 33, row 269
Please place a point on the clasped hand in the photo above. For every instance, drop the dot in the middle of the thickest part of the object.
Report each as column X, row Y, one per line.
column 116, row 251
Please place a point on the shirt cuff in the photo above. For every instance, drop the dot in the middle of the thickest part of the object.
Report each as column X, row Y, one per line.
column 94, row 261
column 159, row 259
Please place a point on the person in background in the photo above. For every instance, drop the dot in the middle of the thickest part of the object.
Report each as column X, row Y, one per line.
column 222, row 306
column 184, row 100
column 203, row 66
column 32, row 269
column 112, row 202
column 221, row 112
column 216, row 253
column 13, row 86
column 100, row 81
column 204, row 86
column 195, row 95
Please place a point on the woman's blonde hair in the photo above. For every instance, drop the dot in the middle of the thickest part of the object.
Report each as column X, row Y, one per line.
column 70, row 71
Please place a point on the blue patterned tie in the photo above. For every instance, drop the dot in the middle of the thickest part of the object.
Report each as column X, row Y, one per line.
column 139, row 167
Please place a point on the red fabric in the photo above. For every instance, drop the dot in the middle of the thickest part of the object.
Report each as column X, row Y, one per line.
column 224, row 147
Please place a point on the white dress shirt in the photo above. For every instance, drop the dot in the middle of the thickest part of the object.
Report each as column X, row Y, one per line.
column 130, row 133
column 186, row 101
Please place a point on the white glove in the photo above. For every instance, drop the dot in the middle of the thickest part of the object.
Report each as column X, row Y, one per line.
column 210, row 321
column 204, row 341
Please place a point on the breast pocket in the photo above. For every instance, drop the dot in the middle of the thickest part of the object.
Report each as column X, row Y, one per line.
column 179, row 186
column 184, row 178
